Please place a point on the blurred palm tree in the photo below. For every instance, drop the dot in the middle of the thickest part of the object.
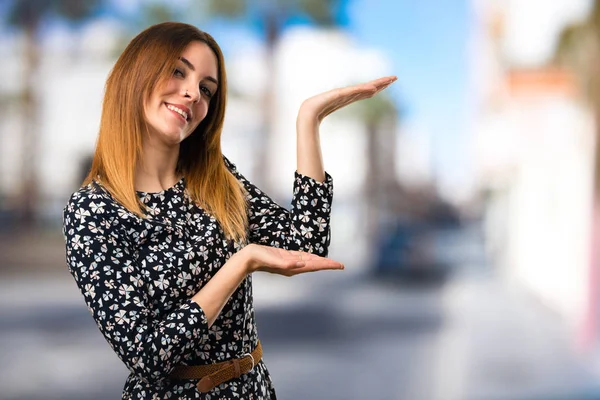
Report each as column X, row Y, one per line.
column 29, row 16
column 272, row 16
column 578, row 50
column 381, row 191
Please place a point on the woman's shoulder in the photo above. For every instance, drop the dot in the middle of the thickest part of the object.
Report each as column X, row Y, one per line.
column 230, row 166
column 89, row 195
column 93, row 200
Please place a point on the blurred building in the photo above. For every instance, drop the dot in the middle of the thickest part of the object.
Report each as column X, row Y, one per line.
column 535, row 152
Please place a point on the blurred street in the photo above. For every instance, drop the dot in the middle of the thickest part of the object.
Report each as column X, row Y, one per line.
column 328, row 335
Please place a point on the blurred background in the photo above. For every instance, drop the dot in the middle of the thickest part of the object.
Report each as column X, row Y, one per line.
column 466, row 204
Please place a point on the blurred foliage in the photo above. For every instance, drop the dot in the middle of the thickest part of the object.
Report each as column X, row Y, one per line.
column 374, row 109
column 155, row 13
column 31, row 13
column 578, row 50
column 150, row 13
column 321, row 12
column 228, row 8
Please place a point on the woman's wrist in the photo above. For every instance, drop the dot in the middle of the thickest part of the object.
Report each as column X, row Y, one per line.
column 246, row 259
column 309, row 160
column 308, row 117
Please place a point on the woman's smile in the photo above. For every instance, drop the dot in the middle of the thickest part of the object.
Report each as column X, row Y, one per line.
column 182, row 112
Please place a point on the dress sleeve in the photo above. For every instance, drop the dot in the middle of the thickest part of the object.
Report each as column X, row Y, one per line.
column 305, row 227
column 101, row 259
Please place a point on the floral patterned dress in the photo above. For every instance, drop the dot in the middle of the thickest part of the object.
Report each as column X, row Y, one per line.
column 137, row 277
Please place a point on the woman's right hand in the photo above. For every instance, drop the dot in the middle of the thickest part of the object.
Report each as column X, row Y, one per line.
column 285, row 262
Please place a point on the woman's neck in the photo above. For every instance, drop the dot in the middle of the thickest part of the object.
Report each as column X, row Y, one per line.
column 156, row 170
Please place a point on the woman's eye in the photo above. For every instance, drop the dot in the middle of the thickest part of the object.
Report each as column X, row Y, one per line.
column 206, row 91
column 178, row 72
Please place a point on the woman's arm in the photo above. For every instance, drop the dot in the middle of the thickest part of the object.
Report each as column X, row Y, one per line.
column 314, row 110
column 309, row 160
column 213, row 296
column 304, row 227
column 102, row 261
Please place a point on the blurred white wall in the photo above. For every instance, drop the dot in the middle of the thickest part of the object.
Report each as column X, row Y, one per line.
column 550, row 239
column 535, row 152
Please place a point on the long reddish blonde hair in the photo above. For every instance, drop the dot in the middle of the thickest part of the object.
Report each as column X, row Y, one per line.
column 145, row 64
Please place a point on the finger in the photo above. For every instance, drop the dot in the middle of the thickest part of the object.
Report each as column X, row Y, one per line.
column 381, row 88
column 340, row 103
column 308, row 259
column 339, row 98
column 387, row 80
column 384, row 86
column 301, row 267
column 377, row 83
column 314, row 267
column 367, row 87
column 318, row 263
column 365, row 92
column 354, row 90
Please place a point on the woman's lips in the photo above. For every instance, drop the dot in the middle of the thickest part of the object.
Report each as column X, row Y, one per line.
column 177, row 110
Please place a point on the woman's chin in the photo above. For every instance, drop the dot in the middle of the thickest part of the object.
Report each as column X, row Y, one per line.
column 173, row 138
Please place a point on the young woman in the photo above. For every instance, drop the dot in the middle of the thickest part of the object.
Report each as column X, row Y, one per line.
column 164, row 234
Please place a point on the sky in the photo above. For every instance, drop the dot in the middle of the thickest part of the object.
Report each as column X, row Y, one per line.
column 428, row 49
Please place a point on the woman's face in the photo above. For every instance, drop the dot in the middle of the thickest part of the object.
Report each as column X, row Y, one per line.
column 176, row 108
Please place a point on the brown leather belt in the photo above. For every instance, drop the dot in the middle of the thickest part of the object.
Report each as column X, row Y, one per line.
column 212, row 375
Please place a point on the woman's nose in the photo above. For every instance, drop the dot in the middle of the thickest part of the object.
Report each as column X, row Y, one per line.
column 192, row 94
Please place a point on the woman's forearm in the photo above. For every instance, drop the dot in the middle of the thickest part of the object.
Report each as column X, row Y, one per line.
column 217, row 291
column 308, row 146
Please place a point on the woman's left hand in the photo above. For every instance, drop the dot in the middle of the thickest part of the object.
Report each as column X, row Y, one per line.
column 321, row 105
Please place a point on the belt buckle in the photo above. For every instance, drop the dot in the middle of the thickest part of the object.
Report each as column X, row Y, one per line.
column 252, row 358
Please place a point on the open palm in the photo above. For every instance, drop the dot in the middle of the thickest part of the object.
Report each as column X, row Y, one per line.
column 289, row 262
column 323, row 104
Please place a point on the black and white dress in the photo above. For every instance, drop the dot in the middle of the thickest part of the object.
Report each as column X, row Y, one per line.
column 137, row 277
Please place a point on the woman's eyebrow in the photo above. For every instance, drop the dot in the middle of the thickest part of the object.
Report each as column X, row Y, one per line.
column 191, row 66
column 186, row 62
